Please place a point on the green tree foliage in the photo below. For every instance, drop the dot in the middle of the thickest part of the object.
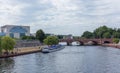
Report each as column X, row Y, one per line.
column 87, row 34
column 118, row 30
column 60, row 36
column 116, row 34
column 115, row 40
column 40, row 35
column 107, row 35
column 100, row 31
column 0, row 44
column 46, row 35
column 28, row 38
column 7, row 43
column 51, row 40
column 103, row 32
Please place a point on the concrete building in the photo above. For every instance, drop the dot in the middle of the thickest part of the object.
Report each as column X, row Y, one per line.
column 15, row 31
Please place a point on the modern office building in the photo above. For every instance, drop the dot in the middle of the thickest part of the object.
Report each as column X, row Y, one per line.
column 15, row 31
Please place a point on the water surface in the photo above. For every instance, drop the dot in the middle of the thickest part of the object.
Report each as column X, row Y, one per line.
column 72, row 59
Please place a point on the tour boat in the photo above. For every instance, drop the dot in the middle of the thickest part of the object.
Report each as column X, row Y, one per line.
column 52, row 48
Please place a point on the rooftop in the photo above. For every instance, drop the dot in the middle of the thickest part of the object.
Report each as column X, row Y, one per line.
column 12, row 25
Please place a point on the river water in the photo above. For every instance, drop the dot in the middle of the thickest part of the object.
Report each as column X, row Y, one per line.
column 72, row 59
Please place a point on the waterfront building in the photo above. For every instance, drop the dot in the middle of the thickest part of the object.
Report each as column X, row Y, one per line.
column 15, row 31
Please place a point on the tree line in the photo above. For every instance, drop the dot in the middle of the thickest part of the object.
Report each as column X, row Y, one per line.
column 102, row 32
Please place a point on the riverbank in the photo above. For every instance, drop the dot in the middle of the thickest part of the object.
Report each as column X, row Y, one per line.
column 112, row 45
column 21, row 51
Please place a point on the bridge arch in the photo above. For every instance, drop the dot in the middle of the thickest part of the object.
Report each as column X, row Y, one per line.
column 75, row 43
column 106, row 42
column 95, row 42
column 63, row 43
column 81, row 42
column 91, row 42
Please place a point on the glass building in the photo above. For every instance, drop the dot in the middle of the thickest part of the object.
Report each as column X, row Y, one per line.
column 15, row 31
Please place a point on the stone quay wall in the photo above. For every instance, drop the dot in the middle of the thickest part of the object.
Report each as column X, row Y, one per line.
column 27, row 43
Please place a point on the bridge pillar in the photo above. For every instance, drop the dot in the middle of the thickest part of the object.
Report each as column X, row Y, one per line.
column 69, row 44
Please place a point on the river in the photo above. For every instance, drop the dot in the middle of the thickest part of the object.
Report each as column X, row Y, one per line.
column 72, row 59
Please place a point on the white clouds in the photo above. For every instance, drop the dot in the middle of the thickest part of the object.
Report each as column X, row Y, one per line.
column 61, row 5
column 64, row 5
column 60, row 16
column 10, row 7
column 10, row 11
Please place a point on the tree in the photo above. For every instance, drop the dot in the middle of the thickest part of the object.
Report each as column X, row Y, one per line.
column 7, row 43
column 118, row 30
column 107, row 35
column 87, row 34
column 103, row 32
column 115, row 40
column 0, row 44
column 100, row 31
column 116, row 35
column 51, row 40
column 60, row 36
column 40, row 35
column 28, row 38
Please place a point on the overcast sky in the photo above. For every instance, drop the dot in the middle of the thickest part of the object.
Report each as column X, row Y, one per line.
column 61, row 16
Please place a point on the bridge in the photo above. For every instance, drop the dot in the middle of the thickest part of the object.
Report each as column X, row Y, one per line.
column 86, row 41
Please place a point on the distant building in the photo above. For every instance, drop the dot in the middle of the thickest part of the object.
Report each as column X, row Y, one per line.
column 33, row 34
column 15, row 31
column 68, row 36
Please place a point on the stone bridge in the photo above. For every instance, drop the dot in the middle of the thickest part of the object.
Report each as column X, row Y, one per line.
column 87, row 41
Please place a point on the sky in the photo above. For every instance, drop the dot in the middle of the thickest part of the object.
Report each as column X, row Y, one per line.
column 61, row 16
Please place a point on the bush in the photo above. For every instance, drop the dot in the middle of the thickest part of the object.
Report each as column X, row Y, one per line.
column 115, row 40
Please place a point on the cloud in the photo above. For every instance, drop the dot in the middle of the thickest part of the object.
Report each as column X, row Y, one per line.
column 61, row 16
column 10, row 11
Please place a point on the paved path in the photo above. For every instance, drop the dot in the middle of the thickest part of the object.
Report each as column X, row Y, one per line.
column 21, row 51
column 27, row 49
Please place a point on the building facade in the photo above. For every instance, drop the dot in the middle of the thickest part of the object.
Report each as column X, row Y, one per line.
column 15, row 31
column 68, row 36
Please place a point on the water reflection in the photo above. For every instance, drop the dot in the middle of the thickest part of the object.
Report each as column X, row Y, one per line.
column 6, row 65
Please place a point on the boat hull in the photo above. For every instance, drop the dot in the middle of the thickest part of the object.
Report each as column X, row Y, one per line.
column 52, row 50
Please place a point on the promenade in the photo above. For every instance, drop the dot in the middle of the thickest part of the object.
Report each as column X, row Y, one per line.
column 21, row 51
column 27, row 49
column 112, row 45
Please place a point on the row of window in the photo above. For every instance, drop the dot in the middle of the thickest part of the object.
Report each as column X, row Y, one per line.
column 20, row 34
